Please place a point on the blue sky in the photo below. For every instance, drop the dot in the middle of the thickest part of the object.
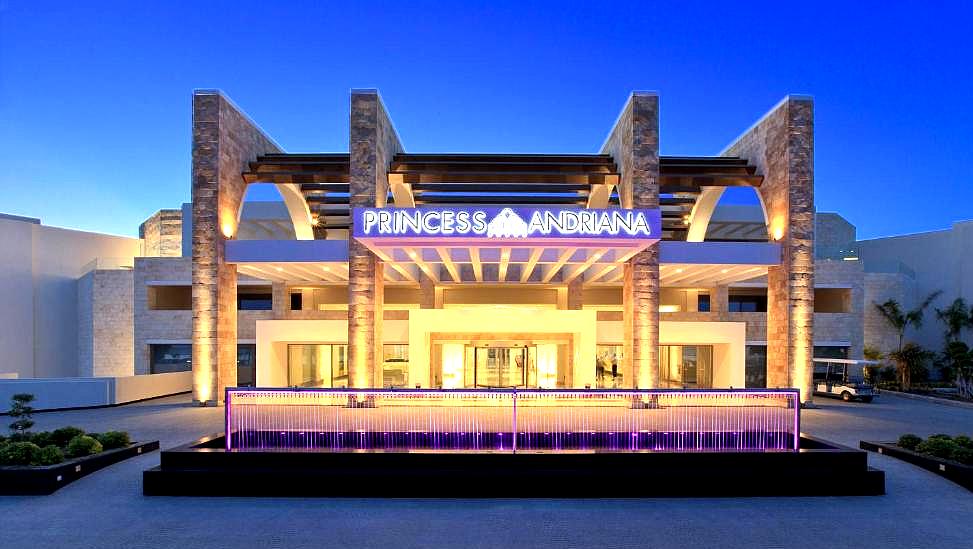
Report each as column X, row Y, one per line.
column 95, row 98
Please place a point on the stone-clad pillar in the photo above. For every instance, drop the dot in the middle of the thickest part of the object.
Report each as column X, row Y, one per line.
column 781, row 145
column 373, row 143
column 575, row 297
column 634, row 145
column 224, row 142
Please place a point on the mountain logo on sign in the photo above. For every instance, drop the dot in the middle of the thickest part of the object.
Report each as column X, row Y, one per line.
column 507, row 224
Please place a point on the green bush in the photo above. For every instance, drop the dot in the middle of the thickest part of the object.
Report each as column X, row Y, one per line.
column 42, row 438
column 48, row 455
column 18, row 453
column 82, row 445
column 941, row 436
column 964, row 441
column 962, row 455
column 113, row 439
column 909, row 442
column 61, row 437
column 937, row 446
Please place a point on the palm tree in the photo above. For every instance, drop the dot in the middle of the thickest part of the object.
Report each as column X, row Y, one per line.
column 906, row 359
column 900, row 320
column 956, row 317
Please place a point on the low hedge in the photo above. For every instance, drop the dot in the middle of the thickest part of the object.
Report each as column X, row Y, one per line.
column 959, row 448
column 52, row 447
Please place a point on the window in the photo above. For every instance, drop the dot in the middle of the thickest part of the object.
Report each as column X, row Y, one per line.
column 830, row 351
column 748, row 303
column 608, row 366
column 832, row 300
column 686, row 365
column 703, row 303
column 165, row 358
column 756, row 366
column 395, row 365
column 170, row 298
column 170, row 357
column 254, row 299
column 246, row 365
column 297, row 301
column 317, row 365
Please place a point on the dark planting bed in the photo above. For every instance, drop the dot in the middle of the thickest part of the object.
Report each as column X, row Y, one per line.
column 47, row 479
column 957, row 472
column 205, row 468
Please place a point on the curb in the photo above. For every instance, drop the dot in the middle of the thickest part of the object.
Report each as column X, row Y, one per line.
column 934, row 400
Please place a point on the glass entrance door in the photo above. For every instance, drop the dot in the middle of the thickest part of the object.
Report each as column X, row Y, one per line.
column 504, row 366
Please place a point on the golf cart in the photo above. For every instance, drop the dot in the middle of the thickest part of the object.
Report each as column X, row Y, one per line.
column 838, row 377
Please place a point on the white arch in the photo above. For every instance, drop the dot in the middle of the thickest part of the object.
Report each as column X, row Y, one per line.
column 703, row 209
column 297, row 209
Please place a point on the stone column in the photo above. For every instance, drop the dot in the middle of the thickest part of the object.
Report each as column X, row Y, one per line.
column 427, row 292
column 575, row 301
column 781, row 145
column 720, row 303
column 373, row 143
column 224, row 142
column 634, row 145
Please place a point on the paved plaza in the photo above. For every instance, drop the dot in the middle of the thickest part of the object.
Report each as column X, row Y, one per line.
column 107, row 508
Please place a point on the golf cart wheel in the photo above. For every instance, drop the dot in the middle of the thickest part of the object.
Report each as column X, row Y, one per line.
column 846, row 396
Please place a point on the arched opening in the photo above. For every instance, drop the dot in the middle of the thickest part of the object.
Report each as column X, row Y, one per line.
column 274, row 212
column 736, row 214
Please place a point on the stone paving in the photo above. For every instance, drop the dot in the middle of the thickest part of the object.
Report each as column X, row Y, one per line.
column 107, row 509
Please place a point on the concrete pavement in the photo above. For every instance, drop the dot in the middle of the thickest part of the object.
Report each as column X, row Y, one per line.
column 107, row 509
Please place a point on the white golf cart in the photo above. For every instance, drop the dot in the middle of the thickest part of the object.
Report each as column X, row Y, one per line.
column 838, row 377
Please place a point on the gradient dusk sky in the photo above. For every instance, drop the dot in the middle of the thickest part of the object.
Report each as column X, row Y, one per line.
column 95, row 96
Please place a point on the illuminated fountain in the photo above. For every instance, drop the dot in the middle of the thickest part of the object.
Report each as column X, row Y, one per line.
column 540, row 420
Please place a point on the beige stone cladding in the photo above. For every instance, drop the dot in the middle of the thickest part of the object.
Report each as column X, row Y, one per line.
column 161, row 234
column 224, row 141
column 781, row 145
column 832, row 327
column 159, row 325
column 634, row 145
column 105, row 317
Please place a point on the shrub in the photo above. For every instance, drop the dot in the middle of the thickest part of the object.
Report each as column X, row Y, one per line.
column 941, row 436
column 964, row 441
column 61, row 437
column 48, row 455
column 962, row 455
column 22, row 412
column 82, row 445
column 909, row 442
column 113, row 439
column 18, row 453
column 937, row 447
column 42, row 439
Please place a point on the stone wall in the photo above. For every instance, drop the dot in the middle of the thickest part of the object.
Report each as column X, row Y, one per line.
column 880, row 287
column 842, row 326
column 781, row 146
column 105, row 323
column 224, row 142
column 161, row 234
column 634, row 145
column 373, row 143
column 157, row 325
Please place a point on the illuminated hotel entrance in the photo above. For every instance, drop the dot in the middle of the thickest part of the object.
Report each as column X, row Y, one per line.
column 478, row 361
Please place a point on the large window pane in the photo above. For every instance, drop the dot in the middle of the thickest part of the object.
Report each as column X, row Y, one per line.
column 170, row 357
column 608, row 364
column 756, row 369
column 686, row 366
column 246, row 365
column 395, row 365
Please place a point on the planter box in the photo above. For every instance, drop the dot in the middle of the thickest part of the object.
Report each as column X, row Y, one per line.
column 205, row 468
column 952, row 470
column 47, row 479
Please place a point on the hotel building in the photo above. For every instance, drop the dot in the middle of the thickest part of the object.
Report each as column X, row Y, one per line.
column 380, row 267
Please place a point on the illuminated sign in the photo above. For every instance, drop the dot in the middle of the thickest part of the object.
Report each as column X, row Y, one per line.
column 506, row 223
